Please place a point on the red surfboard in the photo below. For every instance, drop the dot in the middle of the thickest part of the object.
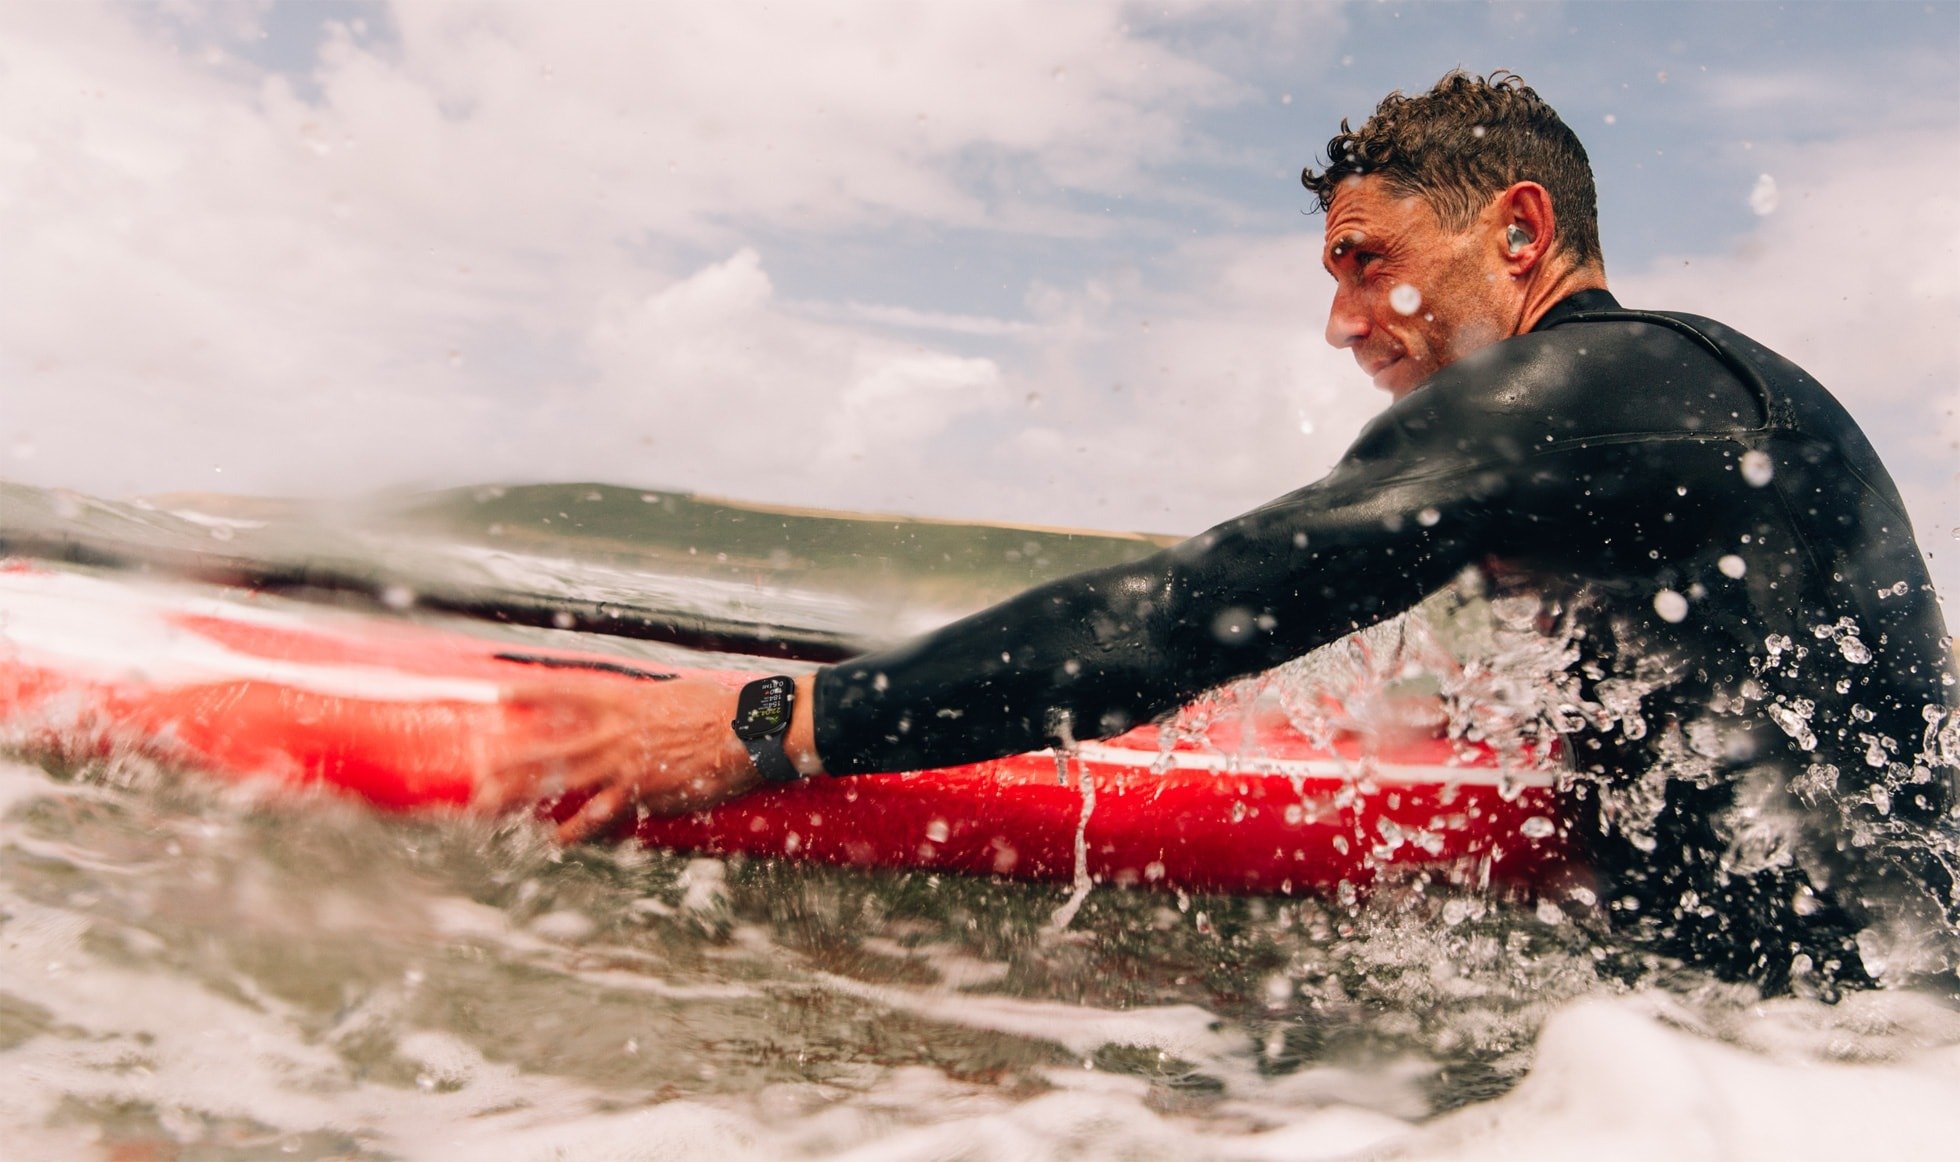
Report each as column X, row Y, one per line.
column 404, row 715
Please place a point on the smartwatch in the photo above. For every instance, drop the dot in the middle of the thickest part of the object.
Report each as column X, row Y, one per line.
column 761, row 722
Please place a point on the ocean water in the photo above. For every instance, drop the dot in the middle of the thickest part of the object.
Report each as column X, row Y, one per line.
column 193, row 971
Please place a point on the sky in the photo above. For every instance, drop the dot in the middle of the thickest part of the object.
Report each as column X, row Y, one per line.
column 1027, row 262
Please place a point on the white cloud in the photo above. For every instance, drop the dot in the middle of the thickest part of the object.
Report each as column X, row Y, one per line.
column 909, row 318
column 385, row 270
column 683, row 118
column 710, row 382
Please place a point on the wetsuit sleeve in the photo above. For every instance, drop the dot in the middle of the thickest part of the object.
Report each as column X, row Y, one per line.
column 1095, row 654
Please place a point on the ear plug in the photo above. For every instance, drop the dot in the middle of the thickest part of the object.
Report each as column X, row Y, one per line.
column 1517, row 237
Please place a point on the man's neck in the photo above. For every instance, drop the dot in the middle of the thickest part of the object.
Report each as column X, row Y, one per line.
column 1545, row 293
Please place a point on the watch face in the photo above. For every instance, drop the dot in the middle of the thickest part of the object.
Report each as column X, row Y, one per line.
column 763, row 708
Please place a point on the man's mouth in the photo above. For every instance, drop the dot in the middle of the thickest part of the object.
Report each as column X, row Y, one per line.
column 1375, row 369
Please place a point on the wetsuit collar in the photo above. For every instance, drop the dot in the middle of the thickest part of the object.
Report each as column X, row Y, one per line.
column 1575, row 303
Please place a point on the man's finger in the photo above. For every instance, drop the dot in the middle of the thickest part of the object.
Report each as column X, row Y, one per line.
column 549, row 773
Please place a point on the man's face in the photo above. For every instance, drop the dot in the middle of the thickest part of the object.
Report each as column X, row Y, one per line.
column 1410, row 297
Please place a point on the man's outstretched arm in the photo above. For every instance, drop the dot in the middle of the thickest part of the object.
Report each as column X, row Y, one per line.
column 1084, row 657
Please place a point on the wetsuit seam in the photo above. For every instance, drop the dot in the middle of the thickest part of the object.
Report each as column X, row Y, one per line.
column 1865, row 485
column 1745, row 374
column 1617, row 439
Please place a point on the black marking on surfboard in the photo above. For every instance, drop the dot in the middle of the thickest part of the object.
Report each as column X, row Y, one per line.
column 551, row 663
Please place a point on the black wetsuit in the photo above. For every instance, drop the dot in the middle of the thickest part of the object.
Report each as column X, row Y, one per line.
column 1687, row 505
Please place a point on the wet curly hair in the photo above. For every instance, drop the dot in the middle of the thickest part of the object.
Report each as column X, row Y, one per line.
column 1463, row 142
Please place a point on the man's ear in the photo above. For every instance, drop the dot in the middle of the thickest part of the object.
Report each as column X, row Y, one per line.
column 1527, row 225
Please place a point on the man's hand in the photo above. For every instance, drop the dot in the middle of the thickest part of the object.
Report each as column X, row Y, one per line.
column 664, row 746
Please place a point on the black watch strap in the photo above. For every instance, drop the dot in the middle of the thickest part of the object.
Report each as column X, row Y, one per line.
column 772, row 760
column 762, row 717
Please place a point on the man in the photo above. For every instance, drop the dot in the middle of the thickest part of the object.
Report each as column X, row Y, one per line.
column 1761, row 714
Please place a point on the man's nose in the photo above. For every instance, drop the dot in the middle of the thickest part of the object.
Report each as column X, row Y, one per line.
column 1346, row 326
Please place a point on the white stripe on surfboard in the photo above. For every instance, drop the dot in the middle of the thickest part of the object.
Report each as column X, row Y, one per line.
column 114, row 631
column 1400, row 774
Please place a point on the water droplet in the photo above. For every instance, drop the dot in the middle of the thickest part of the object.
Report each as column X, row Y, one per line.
column 1793, row 719
column 397, row 597
column 1732, row 566
column 1428, row 517
column 938, row 831
column 1757, row 468
column 1537, row 827
column 1670, row 605
column 1406, row 299
column 1232, row 625
column 1763, row 198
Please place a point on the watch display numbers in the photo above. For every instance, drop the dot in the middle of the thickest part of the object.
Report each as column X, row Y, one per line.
column 763, row 708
